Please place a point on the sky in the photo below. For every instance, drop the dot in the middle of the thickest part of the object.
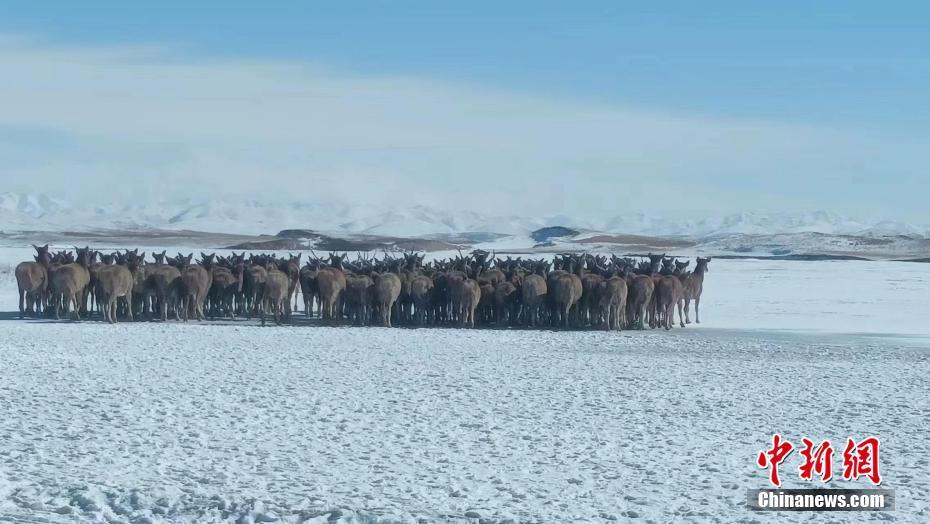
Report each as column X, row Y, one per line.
column 533, row 108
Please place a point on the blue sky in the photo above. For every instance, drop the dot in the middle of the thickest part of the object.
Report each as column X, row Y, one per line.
column 768, row 106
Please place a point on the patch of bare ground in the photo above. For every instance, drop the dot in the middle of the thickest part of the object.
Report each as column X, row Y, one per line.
column 637, row 240
column 125, row 237
column 351, row 243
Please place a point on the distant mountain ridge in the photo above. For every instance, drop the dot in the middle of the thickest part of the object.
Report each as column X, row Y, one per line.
column 21, row 212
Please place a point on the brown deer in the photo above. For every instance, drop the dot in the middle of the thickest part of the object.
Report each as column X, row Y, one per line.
column 693, row 284
column 277, row 293
column 358, row 299
column 163, row 282
column 386, row 290
column 196, row 281
column 640, row 289
column 534, row 294
column 505, row 303
column 293, row 275
column 612, row 295
column 253, row 289
column 32, row 279
column 139, row 304
column 69, row 284
column 466, row 294
column 565, row 290
column 113, row 282
column 308, row 286
column 421, row 289
column 669, row 293
column 331, row 281
column 227, row 282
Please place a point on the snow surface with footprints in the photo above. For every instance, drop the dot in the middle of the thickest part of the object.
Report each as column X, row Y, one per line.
column 230, row 422
column 189, row 423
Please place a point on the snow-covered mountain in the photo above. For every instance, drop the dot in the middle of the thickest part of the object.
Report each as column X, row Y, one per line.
column 748, row 223
column 19, row 212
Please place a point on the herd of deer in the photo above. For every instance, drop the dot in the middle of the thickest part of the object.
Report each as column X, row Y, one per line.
column 573, row 290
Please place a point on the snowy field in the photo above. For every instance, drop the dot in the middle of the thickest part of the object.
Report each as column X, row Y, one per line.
column 151, row 422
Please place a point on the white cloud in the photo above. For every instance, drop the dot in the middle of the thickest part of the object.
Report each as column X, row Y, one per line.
column 155, row 124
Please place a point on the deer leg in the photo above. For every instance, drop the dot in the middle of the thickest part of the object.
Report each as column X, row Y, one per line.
column 22, row 303
column 326, row 309
column 681, row 316
column 78, row 299
column 697, row 311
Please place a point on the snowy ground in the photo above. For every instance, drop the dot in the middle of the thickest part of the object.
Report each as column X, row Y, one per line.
column 203, row 422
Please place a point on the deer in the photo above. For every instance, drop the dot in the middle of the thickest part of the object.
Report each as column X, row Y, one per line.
column 114, row 282
column 226, row 285
column 506, row 302
column 358, row 299
column 331, row 281
column 386, row 290
column 669, row 294
column 421, row 289
column 611, row 298
column 640, row 289
column 277, row 292
column 32, row 279
column 309, row 289
column 565, row 290
column 588, row 306
column 196, row 281
column 534, row 294
column 139, row 301
column 693, row 285
column 292, row 268
column 163, row 282
column 69, row 284
column 466, row 294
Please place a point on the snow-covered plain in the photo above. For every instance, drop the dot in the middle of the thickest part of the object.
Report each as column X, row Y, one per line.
column 149, row 422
